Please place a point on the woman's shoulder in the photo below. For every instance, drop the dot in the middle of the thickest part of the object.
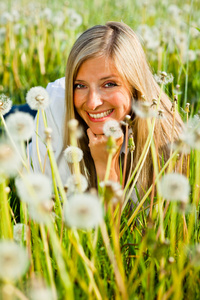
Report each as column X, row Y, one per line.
column 56, row 110
column 57, row 87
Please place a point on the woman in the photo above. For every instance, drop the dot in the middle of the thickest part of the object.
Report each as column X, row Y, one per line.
column 106, row 72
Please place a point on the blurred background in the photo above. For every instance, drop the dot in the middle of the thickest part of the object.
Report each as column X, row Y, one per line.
column 35, row 39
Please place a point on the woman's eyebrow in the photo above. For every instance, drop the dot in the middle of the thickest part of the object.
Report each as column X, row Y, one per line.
column 108, row 77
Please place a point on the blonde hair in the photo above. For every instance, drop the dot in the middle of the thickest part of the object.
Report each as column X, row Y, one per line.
column 118, row 42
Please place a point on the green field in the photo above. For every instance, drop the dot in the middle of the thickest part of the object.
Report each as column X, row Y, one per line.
column 152, row 250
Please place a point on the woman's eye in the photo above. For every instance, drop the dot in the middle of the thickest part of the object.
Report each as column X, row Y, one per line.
column 79, row 86
column 110, row 84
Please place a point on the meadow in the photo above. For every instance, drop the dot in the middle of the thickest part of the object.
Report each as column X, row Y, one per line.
column 97, row 245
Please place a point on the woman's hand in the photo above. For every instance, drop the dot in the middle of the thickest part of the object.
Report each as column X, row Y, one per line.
column 97, row 145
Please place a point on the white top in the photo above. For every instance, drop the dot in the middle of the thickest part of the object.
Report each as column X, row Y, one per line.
column 55, row 114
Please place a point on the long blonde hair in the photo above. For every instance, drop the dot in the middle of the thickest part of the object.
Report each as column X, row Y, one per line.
column 118, row 42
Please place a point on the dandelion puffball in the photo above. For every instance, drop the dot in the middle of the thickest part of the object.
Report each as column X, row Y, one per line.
column 73, row 154
column 76, row 183
column 34, row 188
column 112, row 128
column 175, row 187
column 13, row 260
column 83, row 211
column 37, row 98
column 20, row 125
column 9, row 159
column 5, row 104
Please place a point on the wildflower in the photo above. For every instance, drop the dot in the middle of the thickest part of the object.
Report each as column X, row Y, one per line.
column 161, row 114
column 39, row 291
column 190, row 136
column 73, row 154
column 174, row 10
column 47, row 132
column 175, row 187
column 113, row 191
column 194, row 255
column 19, row 232
column 13, row 260
column 143, row 109
column 112, row 128
column 47, row 14
column 34, row 188
column 192, row 56
column 177, row 90
column 73, row 124
column 21, row 125
column 163, row 78
column 5, row 104
column 187, row 107
column 5, row 18
column 75, row 19
column 37, row 98
column 75, row 185
column 83, row 211
column 41, row 212
column 9, row 159
column 131, row 143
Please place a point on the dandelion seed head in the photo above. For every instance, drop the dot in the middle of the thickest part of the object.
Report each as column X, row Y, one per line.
column 20, row 125
column 113, row 191
column 75, row 19
column 73, row 124
column 34, row 188
column 37, row 98
column 9, row 160
column 41, row 294
column 41, row 212
column 163, row 78
column 5, row 104
column 193, row 253
column 190, row 135
column 75, row 184
column 112, row 128
column 13, row 260
column 19, row 232
column 175, row 187
column 39, row 291
column 73, row 154
column 143, row 109
column 83, row 211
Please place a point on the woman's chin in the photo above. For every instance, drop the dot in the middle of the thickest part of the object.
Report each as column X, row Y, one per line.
column 97, row 131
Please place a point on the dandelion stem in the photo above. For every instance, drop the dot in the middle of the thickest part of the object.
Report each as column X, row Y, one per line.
column 125, row 156
column 37, row 141
column 54, row 166
column 13, row 143
column 108, row 166
column 49, row 266
column 118, row 276
column 6, row 226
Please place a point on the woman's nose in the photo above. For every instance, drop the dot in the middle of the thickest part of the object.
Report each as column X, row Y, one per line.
column 94, row 99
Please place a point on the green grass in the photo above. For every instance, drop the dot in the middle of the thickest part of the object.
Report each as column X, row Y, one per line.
column 147, row 261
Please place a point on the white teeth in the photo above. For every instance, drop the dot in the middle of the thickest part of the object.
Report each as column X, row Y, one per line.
column 101, row 115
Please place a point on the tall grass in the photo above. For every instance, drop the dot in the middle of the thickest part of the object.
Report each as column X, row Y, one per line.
column 148, row 250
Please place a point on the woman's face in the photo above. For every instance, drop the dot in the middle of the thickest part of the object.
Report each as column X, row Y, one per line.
column 100, row 94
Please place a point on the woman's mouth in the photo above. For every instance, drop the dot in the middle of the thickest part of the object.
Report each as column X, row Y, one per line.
column 100, row 115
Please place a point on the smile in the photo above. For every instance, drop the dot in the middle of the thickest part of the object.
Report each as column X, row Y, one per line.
column 101, row 115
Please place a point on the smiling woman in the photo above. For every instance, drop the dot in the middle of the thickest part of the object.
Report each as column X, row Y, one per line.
column 106, row 73
column 100, row 94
